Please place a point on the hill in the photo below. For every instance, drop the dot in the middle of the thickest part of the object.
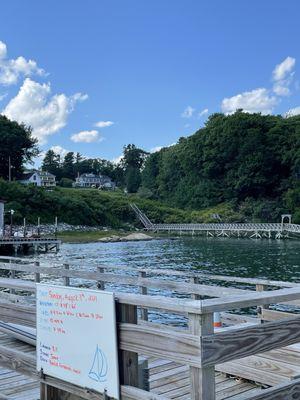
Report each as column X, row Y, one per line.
column 82, row 206
column 249, row 162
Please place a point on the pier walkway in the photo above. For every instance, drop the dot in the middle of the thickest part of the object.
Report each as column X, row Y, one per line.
column 252, row 230
column 165, row 320
column 25, row 245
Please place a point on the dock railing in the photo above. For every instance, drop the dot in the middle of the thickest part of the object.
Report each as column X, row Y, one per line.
column 199, row 346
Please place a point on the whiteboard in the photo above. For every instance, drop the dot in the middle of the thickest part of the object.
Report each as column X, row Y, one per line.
column 77, row 338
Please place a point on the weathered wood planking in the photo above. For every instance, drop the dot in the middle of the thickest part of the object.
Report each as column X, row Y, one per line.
column 182, row 287
column 250, row 299
column 25, row 363
column 18, row 314
column 202, row 380
column 178, row 305
column 273, row 315
column 151, row 340
column 285, row 391
column 176, row 346
column 243, row 342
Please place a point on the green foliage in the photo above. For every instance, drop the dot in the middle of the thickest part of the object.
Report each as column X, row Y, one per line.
column 132, row 163
column 16, row 142
column 73, row 164
column 51, row 163
column 82, row 206
column 145, row 193
column 66, row 182
column 248, row 160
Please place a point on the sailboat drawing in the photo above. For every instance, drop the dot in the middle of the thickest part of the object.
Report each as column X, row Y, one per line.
column 98, row 371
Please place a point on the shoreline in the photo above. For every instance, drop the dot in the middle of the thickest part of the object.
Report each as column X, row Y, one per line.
column 109, row 236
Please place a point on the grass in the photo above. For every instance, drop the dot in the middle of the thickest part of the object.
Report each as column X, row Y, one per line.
column 88, row 236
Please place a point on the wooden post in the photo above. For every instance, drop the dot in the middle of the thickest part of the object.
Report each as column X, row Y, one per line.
column 48, row 392
column 100, row 284
column 38, row 226
column 37, row 274
column 66, row 278
column 24, row 227
column 12, row 274
column 261, row 288
column 143, row 290
column 128, row 360
column 202, row 380
column 195, row 280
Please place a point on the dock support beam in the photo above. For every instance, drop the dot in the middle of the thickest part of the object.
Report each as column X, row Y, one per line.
column 202, row 379
column 128, row 360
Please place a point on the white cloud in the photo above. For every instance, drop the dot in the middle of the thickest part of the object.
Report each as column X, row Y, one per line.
column 263, row 100
column 117, row 160
column 59, row 150
column 188, row 112
column 283, row 76
column 155, row 149
column 104, row 124
column 292, row 112
column 12, row 69
column 283, row 70
column 35, row 107
column 257, row 100
column 3, row 50
column 203, row 112
column 86, row 137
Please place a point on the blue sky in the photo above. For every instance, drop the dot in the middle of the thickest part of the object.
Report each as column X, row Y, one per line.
column 151, row 71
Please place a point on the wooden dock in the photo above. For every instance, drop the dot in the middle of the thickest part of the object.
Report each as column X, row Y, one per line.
column 245, row 359
column 252, row 230
column 23, row 245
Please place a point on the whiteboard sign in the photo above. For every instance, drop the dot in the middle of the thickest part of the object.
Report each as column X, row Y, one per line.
column 76, row 337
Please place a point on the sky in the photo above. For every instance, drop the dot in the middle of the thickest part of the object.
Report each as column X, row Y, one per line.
column 92, row 76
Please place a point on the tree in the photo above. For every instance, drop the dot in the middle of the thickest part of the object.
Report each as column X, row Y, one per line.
column 132, row 162
column 51, row 163
column 68, row 166
column 16, row 143
column 78, row 160
column 234, row 158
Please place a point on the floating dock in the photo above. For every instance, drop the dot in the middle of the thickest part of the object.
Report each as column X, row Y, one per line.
column 252, row 230
column 254, row 356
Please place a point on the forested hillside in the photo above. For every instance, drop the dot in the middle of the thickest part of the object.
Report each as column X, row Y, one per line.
column 83, row 206
column 249, row 161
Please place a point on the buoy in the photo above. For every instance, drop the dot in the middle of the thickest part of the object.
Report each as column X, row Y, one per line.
column 217, row 320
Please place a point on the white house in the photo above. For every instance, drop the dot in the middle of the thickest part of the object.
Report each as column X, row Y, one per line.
column 39, row 178
column 92, row 180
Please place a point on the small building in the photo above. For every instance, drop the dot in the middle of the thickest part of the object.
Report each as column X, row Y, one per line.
column 39, row 178
column 89, row 180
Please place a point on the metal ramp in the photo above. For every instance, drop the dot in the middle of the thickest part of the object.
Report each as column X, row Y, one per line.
column 142, row 217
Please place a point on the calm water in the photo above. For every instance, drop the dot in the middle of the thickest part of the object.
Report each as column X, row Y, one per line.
column 238, row 257
column 272, row 259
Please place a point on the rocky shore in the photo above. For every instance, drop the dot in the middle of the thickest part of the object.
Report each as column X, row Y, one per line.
column 132, row 237
column 50, row 229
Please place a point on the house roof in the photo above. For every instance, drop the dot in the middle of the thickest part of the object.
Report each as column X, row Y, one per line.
column 27, row 175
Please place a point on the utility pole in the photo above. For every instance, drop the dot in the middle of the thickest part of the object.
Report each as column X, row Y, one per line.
column 11, row 222
column 38, row 227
